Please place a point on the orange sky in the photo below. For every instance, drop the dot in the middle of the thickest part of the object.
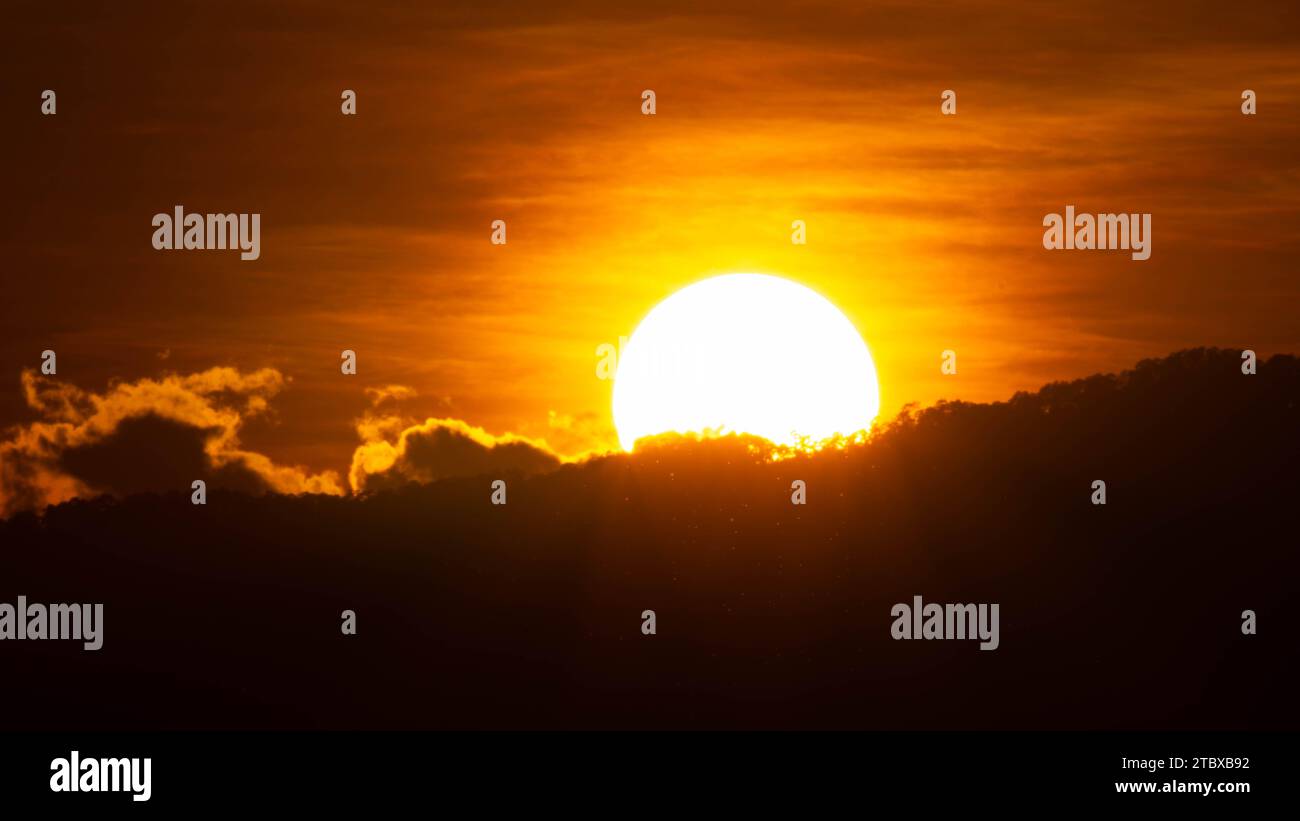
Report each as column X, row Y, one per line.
column 926, row 230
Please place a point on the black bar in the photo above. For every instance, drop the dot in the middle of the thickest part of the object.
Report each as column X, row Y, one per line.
column 619, row 772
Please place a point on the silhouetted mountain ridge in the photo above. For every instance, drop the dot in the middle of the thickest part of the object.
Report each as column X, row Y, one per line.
column 769, row 614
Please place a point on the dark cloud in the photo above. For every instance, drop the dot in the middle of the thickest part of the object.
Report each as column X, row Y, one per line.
column 146, row 435
column 152, row 453
column 443, row 448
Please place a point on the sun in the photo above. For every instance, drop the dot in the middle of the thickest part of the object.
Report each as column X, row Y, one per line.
column 745, row 353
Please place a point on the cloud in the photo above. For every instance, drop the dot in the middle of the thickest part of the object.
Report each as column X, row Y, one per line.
column 386, row 393
column 437, row 449
column 579, row 436
column 146, row 435
column 155, row 435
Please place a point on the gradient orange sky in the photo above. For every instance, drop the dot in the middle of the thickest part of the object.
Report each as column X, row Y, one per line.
column 925, row 230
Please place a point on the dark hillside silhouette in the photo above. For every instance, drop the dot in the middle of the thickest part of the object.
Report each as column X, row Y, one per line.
column 769, row 615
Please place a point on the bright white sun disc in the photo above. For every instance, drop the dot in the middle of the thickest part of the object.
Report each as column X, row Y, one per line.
column 745, row 353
